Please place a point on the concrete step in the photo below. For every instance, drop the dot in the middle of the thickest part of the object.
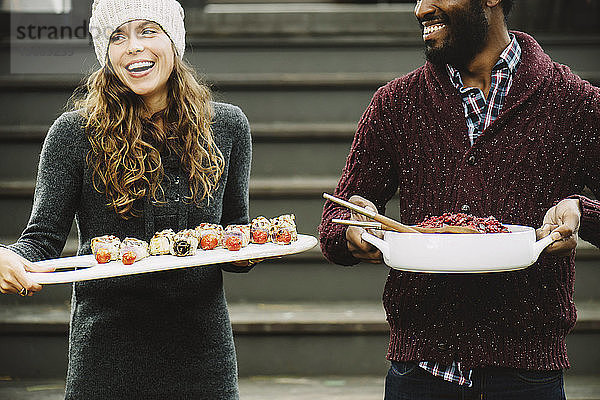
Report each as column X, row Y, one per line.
column 305, row 131
column 279, row 150
column 584, row 387
column 322, row 339
column 263, row 100
column 301, row 53
column 217, row 55
column 325, row 144
column 302, row 19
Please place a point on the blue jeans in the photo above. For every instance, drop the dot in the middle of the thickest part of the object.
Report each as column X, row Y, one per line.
column 408, row 381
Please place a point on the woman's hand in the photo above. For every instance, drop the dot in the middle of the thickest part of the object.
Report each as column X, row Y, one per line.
column 359, row 248
column 562, row 220
column 13, row 278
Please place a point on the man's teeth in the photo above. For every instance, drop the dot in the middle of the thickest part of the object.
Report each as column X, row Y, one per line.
column 433, row 28
column 140, row 66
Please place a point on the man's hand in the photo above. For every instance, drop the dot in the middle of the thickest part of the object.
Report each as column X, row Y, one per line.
column 563, row 219
column 248, row 263
column 358, row 247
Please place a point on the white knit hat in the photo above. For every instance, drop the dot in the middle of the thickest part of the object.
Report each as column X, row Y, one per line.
column 108, row 15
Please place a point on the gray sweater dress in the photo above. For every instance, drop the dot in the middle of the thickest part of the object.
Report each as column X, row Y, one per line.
column 162, row 335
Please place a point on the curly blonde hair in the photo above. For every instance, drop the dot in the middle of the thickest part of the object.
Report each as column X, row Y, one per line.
column 126, row 144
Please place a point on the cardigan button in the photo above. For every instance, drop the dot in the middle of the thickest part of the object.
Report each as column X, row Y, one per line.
column 472, row 160
column 465, row 208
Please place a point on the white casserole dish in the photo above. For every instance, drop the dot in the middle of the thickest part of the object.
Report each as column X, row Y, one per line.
column 460, row 253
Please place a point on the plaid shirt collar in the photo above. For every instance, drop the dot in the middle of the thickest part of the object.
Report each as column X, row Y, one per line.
column 509, row 58
column 480, row 111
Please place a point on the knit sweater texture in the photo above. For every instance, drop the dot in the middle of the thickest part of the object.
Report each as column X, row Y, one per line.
column 544, row 147
column 164, row 335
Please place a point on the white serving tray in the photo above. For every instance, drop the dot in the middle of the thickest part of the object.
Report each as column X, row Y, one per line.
column 93, row 270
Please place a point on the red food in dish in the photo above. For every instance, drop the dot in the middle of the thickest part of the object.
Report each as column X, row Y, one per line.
column 209, row 242
column 129, row 257
column 260, row 236
column 483, row 225
column 233, row 243
column 102, row 256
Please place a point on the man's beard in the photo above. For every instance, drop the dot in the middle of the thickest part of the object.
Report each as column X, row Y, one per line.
column 467, row 31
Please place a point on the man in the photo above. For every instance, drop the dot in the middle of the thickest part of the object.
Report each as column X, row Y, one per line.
column 488, row 126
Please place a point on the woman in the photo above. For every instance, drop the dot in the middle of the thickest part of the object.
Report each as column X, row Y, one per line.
column 146, row 150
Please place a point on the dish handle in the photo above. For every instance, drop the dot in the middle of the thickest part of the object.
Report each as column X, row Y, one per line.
column 382, row 245
column 540, row 245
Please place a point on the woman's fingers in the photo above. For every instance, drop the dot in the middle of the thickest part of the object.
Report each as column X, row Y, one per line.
column 25, row 282
column 14, row 283
column 31, row 267
column 8, row 287
column 13, row 276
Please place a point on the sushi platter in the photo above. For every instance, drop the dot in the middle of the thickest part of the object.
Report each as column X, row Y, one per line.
column 88, row 268
column 207, row 244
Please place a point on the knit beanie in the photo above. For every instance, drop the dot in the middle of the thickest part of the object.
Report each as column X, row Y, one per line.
column 108, row 15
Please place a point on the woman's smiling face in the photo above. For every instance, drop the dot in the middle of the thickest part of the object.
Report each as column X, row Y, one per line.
column 142, row 56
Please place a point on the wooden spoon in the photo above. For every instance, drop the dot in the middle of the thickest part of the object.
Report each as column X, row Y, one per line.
column 363, row 224
column 390, row 224
column 395, row 225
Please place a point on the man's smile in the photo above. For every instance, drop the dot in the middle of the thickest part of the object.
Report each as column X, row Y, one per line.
column 429, row 30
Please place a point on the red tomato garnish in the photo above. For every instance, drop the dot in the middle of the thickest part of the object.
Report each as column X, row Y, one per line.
column 209, row 242
column 284, row 236
column 129, row 257
column 233, row 243
column 260, row 236
column 102, row 255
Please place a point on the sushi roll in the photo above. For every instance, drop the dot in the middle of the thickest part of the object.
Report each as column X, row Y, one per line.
column 133, row 250
column 283, row 235
column 260, row 230
column 282, row 226
column 161, row 242
column 243, row 229
column 234, row 240
column 106, row 248
column 210, row 239
column 215, row 229
column 185, row 243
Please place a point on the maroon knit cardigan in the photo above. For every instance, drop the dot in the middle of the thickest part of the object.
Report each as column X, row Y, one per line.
column 544, row 147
